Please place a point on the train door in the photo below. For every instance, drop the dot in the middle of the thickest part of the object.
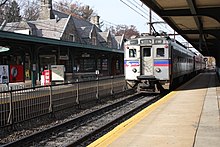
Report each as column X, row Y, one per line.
column 146, row 60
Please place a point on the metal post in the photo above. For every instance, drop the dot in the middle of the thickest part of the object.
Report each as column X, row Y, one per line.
column 9, row 121
column 33, row 54
column 51, row 105
column 112, row 91
column 150, row 23
column 97, row 89
column 77, row 92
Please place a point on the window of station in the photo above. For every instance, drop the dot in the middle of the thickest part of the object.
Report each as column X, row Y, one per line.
column 72, row 37
column 146, row 52
column 146, row 41
column 132, row 53
column 94, row 41
column 67, row 64
column 160, row 52
column 87, row 65
column 117, row 64
column 99, row 63
column 105, row 64
column 102, row 64
column 46, row 61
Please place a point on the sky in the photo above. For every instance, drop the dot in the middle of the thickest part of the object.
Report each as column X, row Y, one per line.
column 115, row 12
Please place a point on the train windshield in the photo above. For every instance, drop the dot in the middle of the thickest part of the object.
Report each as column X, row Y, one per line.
column 160, row 52
column 146, row 52
column 132, row 53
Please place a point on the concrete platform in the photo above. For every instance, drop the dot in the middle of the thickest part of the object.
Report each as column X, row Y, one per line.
column 186, row 117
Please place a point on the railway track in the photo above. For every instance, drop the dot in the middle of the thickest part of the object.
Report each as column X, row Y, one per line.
column 82, row 130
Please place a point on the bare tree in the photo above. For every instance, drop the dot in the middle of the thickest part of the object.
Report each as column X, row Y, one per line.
column 3, row 2
column 128, row 31
column 75, row 9
column 31, row 10
column 86, row 12
column 10, row 12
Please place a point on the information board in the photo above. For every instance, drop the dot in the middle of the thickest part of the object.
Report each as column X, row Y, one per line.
column 57, row 72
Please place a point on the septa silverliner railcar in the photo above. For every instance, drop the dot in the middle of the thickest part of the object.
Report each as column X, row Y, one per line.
column 151, row 60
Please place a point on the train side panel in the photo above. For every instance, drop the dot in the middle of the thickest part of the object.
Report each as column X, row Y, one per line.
column 183, row 62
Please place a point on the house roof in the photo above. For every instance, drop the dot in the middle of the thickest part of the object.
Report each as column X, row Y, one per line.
column 50, row 28
column 7, row 37
column 54, row 28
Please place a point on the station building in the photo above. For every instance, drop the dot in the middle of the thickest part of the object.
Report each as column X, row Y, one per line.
column 60, row 39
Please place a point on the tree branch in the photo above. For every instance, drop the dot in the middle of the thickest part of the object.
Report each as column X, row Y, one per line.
column 1, row 4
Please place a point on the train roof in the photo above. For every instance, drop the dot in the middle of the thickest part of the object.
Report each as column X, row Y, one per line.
column 162, row 37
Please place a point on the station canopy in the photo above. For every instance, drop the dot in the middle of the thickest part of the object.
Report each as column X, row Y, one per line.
column 198, row 21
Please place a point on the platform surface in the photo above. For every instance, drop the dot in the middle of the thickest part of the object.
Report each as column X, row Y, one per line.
column 186, row 117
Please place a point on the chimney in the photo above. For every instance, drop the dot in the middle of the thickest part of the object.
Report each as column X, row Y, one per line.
column 95, row 20
column 46, row 10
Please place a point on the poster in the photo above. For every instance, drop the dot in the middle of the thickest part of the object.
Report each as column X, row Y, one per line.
column 16, row 73
column 57, row 72
column 4, row 74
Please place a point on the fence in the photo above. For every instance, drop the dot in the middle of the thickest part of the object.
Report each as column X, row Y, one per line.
column 17, row 105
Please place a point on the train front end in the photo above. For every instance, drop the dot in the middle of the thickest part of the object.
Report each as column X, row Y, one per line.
column 147, row 63
column 131, row 62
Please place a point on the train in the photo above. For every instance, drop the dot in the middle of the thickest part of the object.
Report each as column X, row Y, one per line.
column 159, row 63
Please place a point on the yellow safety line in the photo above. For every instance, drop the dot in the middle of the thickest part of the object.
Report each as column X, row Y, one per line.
column 123, row 127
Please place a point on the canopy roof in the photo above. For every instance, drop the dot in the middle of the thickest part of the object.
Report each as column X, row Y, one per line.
column 198, row 21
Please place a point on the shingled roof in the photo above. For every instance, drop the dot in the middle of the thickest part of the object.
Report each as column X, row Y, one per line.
column 58, row 29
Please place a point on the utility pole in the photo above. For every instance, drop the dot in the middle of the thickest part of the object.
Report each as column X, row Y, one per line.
column 150, row 19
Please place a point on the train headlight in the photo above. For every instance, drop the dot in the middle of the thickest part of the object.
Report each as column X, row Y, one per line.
column 158, row 70
column 134, row 70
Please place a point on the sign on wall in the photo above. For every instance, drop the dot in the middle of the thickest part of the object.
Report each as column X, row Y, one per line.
column 16, row 73
column 57, row 72
column 4, row 74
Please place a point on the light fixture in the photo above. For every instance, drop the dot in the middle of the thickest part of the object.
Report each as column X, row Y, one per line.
column 4, row 49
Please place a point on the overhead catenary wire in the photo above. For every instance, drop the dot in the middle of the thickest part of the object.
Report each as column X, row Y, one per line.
column 134, row 9
column 135, row 6
column 139, row 8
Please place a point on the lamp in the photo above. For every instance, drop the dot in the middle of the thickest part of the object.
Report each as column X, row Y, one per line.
column 4, row 49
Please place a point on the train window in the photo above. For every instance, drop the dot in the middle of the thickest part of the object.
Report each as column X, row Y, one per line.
column 160, row 52
column 132, row 53
column 133, row 42
column 146, row 52
column 158, row 41
column 145, row 41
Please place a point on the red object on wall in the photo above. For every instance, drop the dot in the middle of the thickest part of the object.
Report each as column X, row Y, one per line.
column 47, row 77
column 16, row 73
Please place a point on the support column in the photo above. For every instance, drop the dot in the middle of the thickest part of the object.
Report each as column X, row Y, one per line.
column 217, row 64
column 110, row 59
column 33, row 60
